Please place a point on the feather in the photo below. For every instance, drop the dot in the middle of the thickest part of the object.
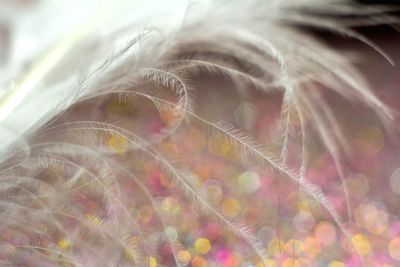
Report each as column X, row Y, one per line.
column 60, row 147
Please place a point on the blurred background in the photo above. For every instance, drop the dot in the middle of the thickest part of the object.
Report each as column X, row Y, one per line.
column 296, row 232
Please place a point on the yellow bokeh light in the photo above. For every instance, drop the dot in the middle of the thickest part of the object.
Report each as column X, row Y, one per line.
column 64, row 244
column 170, row 150
column 290, row 262
column 336, row 264
column 202, row 245
column 361, row 244
column 184, row 257
column 294, row 248
column 219, row 145
column 118, row 143
column 231, row 207
column 152, row 262
column 275, row 247
column 267, row 263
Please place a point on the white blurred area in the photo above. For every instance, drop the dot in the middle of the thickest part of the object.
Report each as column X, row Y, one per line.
column 44, row 44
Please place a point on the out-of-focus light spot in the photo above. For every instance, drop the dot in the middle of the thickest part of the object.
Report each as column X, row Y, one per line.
column 325, row 232
column 184, row 257
column 170, row 205
column 225, row 258
column 336, row 264
column 303, row 221
column 199, row 262
column 64, row 244
column 248, row 182
column 395, row 181
column 213, row 190
column 311, row 247
column 219, row 145
column 267, row 263
column 361, row 244
column 169, row 116
column 304, row 206
column 358, row 185
column 231, row 207
column 372, row 218
column 145, row 214
column 203, row 172
column 275, row 247
column 170, row 150
column 294, row 248
column 202, row 245
column 118, row 143
column 152, row 262
column 214, row 231
column 171, row 232
column 369, row 140
column 290, row 262
column 166, row 180
column 394, row 248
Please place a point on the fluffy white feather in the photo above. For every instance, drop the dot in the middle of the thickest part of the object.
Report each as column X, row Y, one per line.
column 55, row 139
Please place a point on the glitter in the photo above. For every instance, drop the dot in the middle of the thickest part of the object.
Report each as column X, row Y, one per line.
column 395, row 181
column 248, row 182
column 231, row 207
column 325, row 232
column 118, row 143
column 361, row 244
column 336, row 264
column 394, row 248
column 152, row 262
column 291, row 263
column 64, row 244
column 184, row 257
column 218, row 145
column 199, row 262
column 202, row 245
